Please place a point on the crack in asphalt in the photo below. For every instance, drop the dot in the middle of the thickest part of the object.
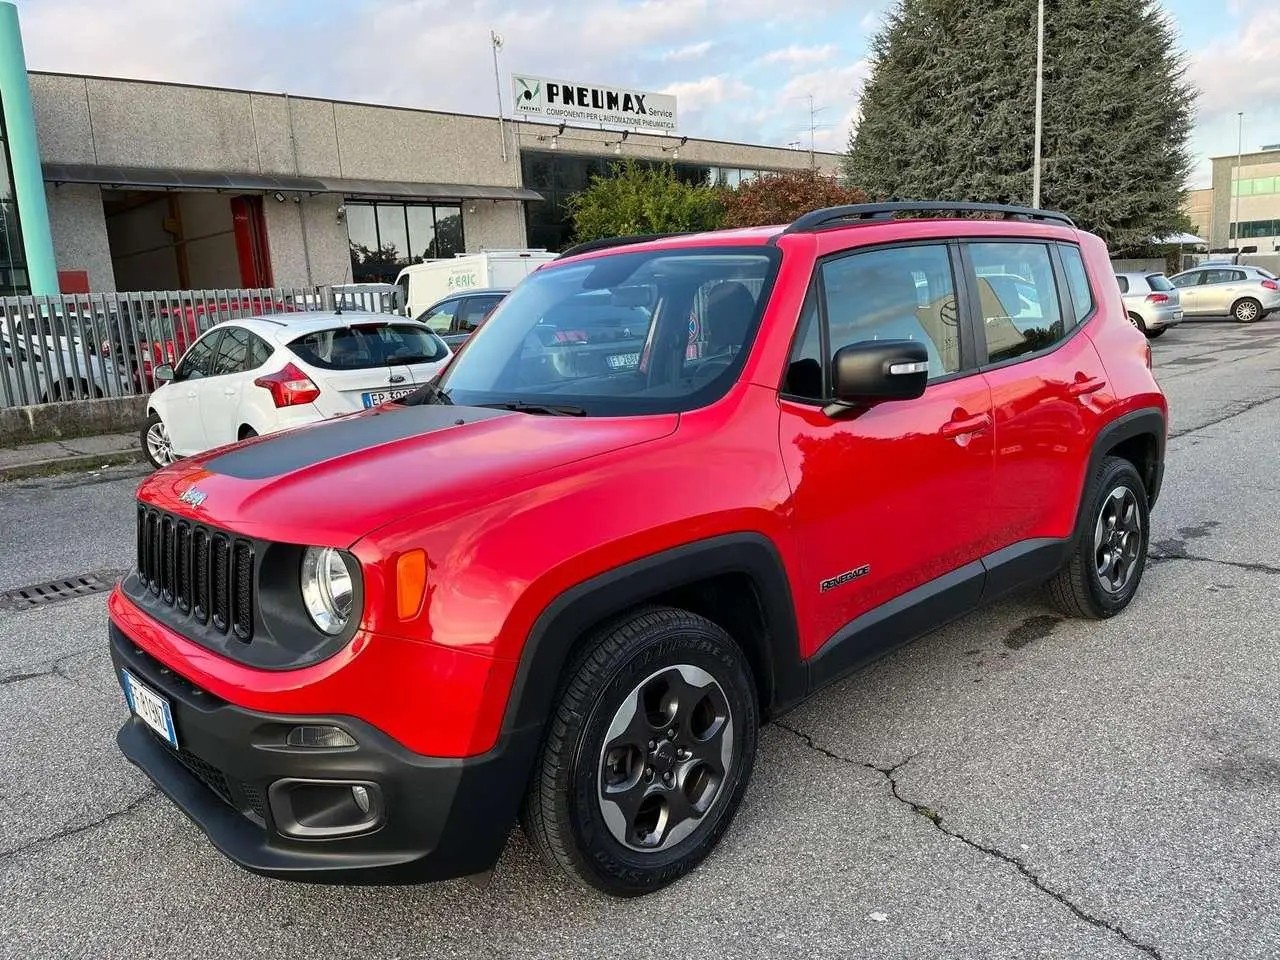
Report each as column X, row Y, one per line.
column 1240, row 410
column 71, row 831
column 57, row 669
column 1154, row 558
column 935, row 818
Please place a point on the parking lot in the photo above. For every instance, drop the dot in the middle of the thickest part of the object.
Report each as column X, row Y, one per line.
column 1013, row 785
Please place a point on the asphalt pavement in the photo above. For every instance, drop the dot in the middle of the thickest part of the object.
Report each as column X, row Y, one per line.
column 1014, row 785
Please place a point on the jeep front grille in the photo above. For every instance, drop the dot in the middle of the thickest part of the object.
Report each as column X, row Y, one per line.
column 201, row 572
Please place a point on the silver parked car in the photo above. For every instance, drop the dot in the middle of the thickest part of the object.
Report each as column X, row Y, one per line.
column 1228, row 290
column 1152, row 302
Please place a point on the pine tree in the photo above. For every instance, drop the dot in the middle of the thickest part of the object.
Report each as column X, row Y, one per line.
column 949, row 111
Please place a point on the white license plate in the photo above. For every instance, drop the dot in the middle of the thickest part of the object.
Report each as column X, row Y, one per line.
column 375, row 397
column 1177, row 314
column 621, row 361
column 151, row 707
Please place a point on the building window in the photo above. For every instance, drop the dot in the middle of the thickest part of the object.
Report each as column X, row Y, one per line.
column 1254, row 229
column 13, row 262
column 386, row 237
column 558, row 175
column 1255, row 186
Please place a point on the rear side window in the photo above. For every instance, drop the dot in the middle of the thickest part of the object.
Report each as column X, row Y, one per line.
column 1124, row 284
column 1158, row 281
column 368, row 345
column 1077, row 282
column 1018, row 295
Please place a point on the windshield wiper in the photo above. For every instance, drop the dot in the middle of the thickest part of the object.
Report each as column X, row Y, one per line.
column 427, row 393
column 548, row 409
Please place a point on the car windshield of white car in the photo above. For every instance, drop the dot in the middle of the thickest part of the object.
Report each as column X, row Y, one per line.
column 639, row 332
column 364, row 345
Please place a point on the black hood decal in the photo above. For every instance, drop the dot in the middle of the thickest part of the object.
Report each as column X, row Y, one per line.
column 275, row 456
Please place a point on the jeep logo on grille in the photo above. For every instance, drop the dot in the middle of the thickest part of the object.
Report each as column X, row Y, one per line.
column 194, row 496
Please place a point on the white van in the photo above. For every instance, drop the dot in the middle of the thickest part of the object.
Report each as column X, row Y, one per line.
column 425, row 284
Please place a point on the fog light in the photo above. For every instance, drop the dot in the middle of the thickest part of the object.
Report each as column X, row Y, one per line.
column 361, row 796
column 319, row 738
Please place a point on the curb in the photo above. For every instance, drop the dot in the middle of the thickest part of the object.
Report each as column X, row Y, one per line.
column 87, row 461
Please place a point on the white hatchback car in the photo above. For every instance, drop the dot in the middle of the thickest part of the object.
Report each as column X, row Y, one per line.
column 243, row 378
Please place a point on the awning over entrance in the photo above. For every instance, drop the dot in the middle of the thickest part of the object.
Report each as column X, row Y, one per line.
column 164, row 178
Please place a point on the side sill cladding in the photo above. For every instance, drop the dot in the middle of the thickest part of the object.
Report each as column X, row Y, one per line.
column 576, row 611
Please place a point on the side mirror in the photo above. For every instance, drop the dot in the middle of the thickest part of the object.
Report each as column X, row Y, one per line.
column 874, row 371
column 163, row 373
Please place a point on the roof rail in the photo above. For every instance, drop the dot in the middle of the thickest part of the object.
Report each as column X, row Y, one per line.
column 604, row 243
column 848, row 215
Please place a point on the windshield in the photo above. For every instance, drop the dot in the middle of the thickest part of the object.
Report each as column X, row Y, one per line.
column 366, row 345
column 629, row 333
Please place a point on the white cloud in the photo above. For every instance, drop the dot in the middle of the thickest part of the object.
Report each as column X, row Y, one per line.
column 795, row 54
column 694, row 51
column 698, row 95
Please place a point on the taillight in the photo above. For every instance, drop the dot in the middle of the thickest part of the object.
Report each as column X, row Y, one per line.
column 289, row 387
column 1146, row 354
column 1270, row 285
column 1157, row 298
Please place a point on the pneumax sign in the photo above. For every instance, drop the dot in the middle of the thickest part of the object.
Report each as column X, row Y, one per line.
column 591, row 103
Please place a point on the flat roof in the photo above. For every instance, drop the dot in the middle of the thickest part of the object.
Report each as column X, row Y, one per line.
column 391, row 106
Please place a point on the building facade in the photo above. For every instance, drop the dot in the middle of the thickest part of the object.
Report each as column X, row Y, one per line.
column 1243, row 203
column 159, row 186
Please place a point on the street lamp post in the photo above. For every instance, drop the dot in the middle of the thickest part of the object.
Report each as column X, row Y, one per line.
column 1235, row 185
column 1035, row 167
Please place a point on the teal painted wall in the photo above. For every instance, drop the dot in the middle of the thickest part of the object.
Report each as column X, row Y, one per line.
column 24, row 156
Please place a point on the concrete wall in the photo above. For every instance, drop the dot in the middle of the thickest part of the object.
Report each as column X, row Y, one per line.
column 713, row 152
column 80, row 233
column 493, row 225
column 326, row 241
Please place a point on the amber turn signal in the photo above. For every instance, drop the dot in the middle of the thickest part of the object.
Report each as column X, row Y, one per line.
column 411, row 583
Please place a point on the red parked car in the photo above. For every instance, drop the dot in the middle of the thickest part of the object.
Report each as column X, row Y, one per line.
column 581, row 573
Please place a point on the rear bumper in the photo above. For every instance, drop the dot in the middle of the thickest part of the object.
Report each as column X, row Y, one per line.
column 235, row 777
column 1158, row 318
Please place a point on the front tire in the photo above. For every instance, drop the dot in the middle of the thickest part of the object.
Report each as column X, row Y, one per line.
column 647, row 755
column 1110, row 549
column 156, row 445
column 1247, row 310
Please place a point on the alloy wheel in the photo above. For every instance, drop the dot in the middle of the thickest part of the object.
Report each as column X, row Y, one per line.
column 158, row 444
column 665, row 758
column 1117, row 539
column 1247, row 311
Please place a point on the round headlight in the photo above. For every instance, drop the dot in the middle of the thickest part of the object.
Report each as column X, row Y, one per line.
column 327, row 588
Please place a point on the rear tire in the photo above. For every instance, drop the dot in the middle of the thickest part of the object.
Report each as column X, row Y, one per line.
column 1139, row 323
column 1110, row 548
column 647, row 755
column 1247, row 310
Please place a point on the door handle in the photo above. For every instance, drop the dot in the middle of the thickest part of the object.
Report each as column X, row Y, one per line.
column 229, row 392
column 191, row 394
column 1082, row 387
column 958, row 428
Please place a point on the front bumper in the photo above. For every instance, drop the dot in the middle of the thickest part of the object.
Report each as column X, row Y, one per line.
column 437, row 818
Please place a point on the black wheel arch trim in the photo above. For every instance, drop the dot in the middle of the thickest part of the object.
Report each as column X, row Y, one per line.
column 551, row 640
column 1149, row 422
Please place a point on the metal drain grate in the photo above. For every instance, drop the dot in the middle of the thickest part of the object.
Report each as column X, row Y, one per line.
column 37, row 595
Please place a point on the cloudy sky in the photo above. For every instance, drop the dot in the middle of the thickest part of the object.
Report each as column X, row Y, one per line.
column 741, row 69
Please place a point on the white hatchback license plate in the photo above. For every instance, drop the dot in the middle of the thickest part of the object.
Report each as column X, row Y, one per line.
column 376, row 397
column 1177, row 314
column 151, row 707
column 623, row 361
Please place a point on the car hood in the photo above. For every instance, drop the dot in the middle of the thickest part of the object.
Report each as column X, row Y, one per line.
column 333, row 482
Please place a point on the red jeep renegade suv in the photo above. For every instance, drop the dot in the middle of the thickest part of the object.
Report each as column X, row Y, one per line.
column 566, row 581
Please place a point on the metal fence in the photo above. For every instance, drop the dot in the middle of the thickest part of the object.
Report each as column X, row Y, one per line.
column 83, row 346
